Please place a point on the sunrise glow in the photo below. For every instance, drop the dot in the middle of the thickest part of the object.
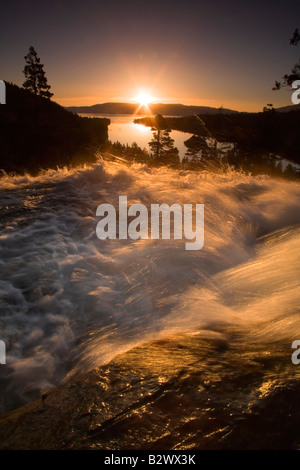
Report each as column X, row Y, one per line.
column 149, row 227
column 144, row 99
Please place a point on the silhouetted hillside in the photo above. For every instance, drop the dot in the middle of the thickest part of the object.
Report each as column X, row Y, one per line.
column 37, row 133
column 255, row 134
column 259, row 134
column 286, row 109
column 155, row 108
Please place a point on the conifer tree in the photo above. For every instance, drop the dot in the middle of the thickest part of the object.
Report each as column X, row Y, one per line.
column 155, row 143
column 169, row 150
column 288, row 79
column 36, row 81
column 162, row 147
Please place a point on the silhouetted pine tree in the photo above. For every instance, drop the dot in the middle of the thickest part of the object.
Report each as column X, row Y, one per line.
column 162, row 147
column 155, row 143
column 170, row 152
column 36, row 81
column 288, row 79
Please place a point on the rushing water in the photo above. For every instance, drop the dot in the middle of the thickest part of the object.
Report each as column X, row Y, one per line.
column 71, row 302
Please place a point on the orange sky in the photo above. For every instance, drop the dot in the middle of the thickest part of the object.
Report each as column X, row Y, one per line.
column 196, row 52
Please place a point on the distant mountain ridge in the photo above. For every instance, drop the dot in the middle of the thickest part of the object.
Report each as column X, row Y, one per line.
column 156, row 108
column 166, row 109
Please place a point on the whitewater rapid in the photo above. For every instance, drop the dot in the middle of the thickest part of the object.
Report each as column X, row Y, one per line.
column 71, row 302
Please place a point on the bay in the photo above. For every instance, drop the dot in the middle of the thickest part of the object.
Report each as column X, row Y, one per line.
column 122, row 129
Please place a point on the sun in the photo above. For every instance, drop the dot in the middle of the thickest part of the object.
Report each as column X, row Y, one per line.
column 144, row 99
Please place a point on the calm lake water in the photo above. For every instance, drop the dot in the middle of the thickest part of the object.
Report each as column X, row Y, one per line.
column 123, row 129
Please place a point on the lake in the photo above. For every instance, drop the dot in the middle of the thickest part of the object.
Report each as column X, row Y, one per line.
column 123, row 130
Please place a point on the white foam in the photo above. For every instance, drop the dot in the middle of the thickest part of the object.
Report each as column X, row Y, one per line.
column 71, row 302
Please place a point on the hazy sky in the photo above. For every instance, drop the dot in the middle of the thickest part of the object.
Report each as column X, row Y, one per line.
column 195, row 52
